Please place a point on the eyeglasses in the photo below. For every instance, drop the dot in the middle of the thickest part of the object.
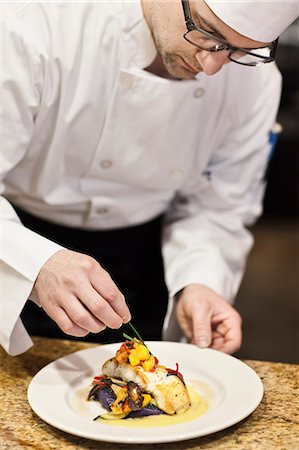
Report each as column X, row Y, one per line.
column 206, row 40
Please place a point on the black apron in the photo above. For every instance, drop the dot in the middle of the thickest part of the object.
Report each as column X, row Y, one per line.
column 132, row 256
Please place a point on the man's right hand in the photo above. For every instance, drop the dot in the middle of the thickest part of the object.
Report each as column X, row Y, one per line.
column 79, row 295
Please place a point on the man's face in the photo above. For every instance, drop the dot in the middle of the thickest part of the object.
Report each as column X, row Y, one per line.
column 168, row 26
column 181, row 59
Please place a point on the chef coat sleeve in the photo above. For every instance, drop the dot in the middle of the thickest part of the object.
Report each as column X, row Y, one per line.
column 22, row 252
column 206, row 240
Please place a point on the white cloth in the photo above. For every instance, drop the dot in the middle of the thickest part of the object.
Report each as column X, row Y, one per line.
column 92, row 140
column 261, row 20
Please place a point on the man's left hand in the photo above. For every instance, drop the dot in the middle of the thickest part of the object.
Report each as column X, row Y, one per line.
column 208, row 320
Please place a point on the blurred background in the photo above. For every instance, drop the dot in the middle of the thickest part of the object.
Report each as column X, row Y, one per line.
column 269, row 296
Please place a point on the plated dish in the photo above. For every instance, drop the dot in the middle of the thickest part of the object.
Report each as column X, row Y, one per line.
column 226, row 391
column 134, row 385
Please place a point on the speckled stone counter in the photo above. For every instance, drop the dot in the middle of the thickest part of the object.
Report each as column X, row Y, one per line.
column 273, row 425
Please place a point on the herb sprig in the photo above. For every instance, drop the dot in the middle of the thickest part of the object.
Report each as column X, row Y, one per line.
column 129, row 338
column 126, row 336
column 135, row 331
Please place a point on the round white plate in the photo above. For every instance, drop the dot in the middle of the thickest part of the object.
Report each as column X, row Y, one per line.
column 231, row 388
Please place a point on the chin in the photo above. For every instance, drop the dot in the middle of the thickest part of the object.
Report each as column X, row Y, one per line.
column 182, row 74
column 174, row 67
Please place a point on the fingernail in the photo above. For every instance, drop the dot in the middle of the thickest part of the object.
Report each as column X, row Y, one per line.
column 202, row 342
column 126, row 319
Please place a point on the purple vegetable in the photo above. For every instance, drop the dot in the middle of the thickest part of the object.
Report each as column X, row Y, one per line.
column 106, row 397
column 93, row 392
column 149, row 410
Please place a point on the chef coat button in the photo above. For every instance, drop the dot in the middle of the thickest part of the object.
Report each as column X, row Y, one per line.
column 106, row 163
column 176, row 175
column 198, row 92
column 102, row 210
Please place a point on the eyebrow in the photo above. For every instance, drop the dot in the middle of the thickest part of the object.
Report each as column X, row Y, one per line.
column 208, row 24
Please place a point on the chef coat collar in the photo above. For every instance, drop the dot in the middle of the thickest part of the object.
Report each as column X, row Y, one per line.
column 136, row 32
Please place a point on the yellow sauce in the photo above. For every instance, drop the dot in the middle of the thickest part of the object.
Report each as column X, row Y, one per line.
column 198, row 407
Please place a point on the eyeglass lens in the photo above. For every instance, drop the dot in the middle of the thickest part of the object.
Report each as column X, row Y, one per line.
column 205, row 42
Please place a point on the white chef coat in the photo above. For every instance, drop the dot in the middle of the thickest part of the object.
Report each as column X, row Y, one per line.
column 92, row 140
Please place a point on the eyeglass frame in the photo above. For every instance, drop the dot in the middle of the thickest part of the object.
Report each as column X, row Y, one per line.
column 191, row 26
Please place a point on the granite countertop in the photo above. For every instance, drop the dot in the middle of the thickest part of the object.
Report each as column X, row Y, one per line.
column 273, row 425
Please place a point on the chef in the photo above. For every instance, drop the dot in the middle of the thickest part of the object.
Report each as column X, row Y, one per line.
column 134, row 147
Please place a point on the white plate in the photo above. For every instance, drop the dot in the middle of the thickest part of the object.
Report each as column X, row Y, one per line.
column 231, row 388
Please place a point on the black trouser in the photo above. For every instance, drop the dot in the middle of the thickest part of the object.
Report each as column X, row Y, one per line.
column 132, row 256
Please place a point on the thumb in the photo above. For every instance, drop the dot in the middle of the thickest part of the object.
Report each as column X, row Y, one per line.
column 202, row 331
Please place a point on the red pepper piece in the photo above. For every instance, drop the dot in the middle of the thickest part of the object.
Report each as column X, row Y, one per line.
column 175, row 372
column 98, row 380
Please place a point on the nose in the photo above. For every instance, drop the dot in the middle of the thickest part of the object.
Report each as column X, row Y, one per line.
column 212, row 62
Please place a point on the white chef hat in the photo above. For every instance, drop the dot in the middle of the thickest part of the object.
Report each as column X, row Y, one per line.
column 261, row 20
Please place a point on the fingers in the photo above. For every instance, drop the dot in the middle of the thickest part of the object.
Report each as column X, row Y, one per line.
column 103, row 301
column 80, row 295
column 184, row 320
column 83, row 318
column 209, row 319
column 64, row 322
column 228, row 334
column 115, row 311
column 225, row 343
column 100, row 309
column 202, row 332
column 194, row 314
column 73, row 318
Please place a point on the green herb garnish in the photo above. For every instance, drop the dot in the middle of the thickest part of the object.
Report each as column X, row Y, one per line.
column 126, row 336
column 136, row 332
column 129, row 338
